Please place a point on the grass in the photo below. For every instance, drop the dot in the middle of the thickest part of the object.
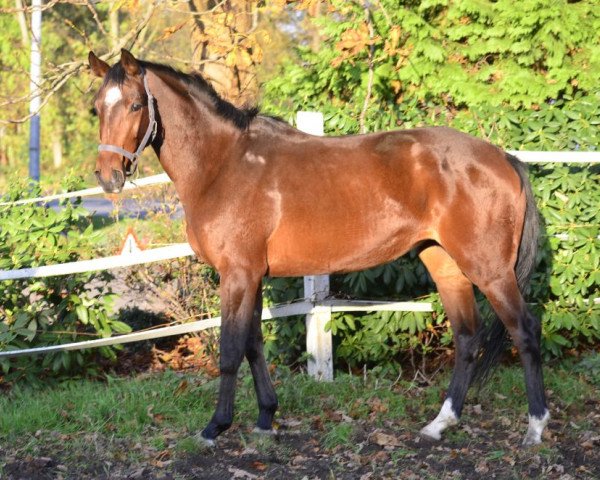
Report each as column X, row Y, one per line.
column 122, row 406
column 127, row 421
column 126, row 407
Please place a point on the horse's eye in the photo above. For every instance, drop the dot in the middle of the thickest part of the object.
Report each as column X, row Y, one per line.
column 136, row 106
column 93, row 111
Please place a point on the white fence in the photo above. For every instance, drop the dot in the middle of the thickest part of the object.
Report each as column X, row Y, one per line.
column 315, row 306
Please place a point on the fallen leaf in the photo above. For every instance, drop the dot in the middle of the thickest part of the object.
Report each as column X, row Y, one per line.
column 156, row 417
column 289, row 423
column 237, row 473
column 384, row 439
column 482, row 467
column 182, row 387
column 380, row 457
column 160, row 463
column 299, row 460
column 41, row 462
column 317, row 423
column 377, row 406
column 261, row 467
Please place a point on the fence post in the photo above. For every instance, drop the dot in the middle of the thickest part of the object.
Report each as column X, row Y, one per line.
column 319, row 343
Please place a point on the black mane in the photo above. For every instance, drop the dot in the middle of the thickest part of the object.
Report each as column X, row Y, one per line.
column 240, row 117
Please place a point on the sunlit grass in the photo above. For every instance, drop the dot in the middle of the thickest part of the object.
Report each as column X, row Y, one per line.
column 145, row 406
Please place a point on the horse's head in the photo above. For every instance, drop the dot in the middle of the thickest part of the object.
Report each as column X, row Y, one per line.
column 125, row 108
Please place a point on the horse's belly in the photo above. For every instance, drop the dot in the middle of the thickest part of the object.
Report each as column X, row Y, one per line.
column 300, row 251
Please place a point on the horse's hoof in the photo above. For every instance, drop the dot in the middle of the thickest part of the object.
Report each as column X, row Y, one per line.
column 205, row 442
column 262, row 431
column 432, row 434
column 531, row 441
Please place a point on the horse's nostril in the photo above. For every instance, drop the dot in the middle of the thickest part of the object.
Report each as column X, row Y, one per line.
column 118, row 177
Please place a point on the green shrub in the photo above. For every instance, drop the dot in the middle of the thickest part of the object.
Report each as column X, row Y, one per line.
column 455, row 64
column 54, row 310
column 285, row 338
column 567, row 280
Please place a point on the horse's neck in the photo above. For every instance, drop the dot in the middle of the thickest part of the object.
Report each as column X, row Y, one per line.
column 196, row 142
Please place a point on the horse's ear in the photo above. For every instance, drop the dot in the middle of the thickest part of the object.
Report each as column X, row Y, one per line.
column 130, row 64
column 99, row 67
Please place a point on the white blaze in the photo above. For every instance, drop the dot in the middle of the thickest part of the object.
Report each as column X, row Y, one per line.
column 113, row 95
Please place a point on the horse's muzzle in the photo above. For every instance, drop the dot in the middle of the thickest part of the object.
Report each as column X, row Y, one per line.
column 115, row 182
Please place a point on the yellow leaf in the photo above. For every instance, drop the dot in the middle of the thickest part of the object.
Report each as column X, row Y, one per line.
column 231, row 59
column 244, row 59
column 395, row 35
column 312, row 7
column 125, row 4
column 167, row 32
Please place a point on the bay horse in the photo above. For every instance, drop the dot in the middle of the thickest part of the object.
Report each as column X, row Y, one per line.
column 262, row 198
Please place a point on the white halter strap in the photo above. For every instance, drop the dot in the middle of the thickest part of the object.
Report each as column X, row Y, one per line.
column 148, row 136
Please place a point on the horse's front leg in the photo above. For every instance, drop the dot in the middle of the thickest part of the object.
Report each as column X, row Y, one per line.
column 238, row 301
column 265, row 393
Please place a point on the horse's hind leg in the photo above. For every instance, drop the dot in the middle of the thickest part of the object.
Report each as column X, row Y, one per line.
column 267, row 399
column 456, row 292
column 525, row 330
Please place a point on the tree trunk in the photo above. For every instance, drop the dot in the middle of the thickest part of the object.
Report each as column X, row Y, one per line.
column 20, row 14
column 223, row 46
column 3, row 154
column 114, row 26
column 57, row 148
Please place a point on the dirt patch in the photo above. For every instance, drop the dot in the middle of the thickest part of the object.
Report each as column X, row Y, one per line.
column 377, row 453
column 484, row 446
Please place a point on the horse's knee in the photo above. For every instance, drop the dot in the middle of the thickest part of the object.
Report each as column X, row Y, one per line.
column 227, row 367
column 232, row 355
column 254, row 351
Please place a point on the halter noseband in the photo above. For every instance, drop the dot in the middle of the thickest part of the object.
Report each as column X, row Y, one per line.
column 148, row 136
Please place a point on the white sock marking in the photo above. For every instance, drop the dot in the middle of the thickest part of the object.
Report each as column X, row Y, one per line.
column 536, row 428
column 204, row 442
column 446, row 418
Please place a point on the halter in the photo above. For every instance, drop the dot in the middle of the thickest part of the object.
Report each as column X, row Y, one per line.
column 148, row 136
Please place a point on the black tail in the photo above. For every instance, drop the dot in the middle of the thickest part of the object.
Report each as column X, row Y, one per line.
column 492, row 337
column 531, row 229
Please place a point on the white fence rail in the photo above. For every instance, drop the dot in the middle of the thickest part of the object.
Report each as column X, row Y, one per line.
column 106, row 263
column 269, row 313
column 317, row 308
column 88, row 192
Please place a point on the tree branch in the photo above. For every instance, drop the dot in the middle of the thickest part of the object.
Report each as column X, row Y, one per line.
column 62, row 73
column 371, row 73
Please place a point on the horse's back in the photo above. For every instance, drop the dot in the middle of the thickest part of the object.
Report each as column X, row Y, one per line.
column 348, row 203
column 336, row 204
